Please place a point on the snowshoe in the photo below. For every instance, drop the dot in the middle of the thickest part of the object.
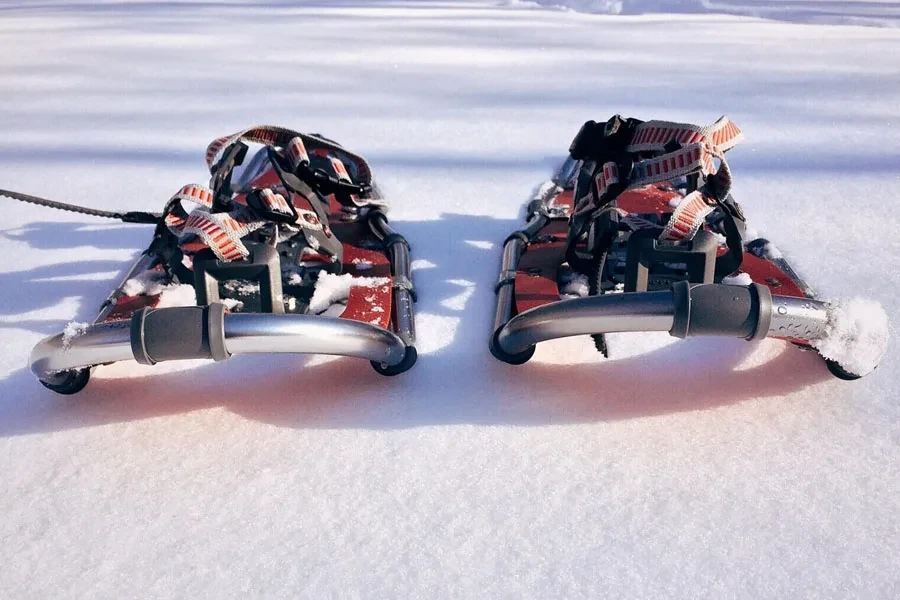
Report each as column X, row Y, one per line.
column 638, row 231
column 287, row 250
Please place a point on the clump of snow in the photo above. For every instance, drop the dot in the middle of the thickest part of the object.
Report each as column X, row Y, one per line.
column 545, row 189
column 576, row 285
column 571, row 284
column 177, row 295
column 857, row 335
column 148, row 283
column 232, row 305
column 72, row 330
column 155, row 283
column 332, row 289
column 771, row 251
column 739, row 279
column 676, row 201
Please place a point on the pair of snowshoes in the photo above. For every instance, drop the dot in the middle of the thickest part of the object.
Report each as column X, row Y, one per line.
column 290, row 251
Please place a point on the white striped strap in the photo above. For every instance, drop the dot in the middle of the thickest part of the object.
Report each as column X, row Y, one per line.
column 653, row 136
column 222, row 232
column 175, row 214
column 688, row 218
column 296, row 152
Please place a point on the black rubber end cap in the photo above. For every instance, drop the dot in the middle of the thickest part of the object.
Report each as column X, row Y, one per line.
column 840, row 372
column 409, row 359
column 511, row 359
column 68, row 382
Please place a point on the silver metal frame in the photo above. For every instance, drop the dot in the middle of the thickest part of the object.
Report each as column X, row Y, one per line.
column 258, row 333
column 648, row 311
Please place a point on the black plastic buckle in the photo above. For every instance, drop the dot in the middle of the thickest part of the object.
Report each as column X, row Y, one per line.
column 263, row 266
column 221, row 176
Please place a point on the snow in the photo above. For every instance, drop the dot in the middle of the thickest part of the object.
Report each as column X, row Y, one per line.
column 857, row 335
column 177, row 295
column 739, row 279
column 700, row 468
column 149, row 283
column 884, row 13
column 72, row 330
column 332, row 289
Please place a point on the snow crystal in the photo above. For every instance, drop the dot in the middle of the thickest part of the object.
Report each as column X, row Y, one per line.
column 739, row 279
column 72, row 330
column 242, row 287
column 361, row 264
column 331, row 288
column 147, row 283
column 857, row 335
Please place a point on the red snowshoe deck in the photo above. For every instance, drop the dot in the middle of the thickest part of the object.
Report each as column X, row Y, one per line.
column 364, row 257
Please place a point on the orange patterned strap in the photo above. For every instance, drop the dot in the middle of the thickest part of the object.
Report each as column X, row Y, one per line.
column 699, row 149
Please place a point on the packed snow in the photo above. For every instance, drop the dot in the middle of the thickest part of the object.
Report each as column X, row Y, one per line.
column 698, row 468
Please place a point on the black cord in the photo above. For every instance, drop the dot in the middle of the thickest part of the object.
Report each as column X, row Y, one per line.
column 127, row 217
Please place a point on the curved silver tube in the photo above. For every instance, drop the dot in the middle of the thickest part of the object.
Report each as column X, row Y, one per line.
column 244, row 334
column 98, row 344
column 259, row 333
column 645, row 311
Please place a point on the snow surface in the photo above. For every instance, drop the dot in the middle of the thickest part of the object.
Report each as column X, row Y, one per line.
column 883, row 13
column 699, row 469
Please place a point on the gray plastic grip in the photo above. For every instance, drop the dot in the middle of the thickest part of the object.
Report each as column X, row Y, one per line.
column 178, row 333
column 721, row 310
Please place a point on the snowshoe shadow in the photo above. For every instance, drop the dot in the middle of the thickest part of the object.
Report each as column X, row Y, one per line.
column 44, row 287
